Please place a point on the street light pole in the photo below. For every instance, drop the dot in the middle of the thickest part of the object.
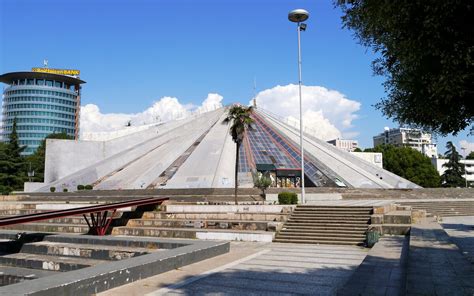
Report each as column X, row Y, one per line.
column 299, row 16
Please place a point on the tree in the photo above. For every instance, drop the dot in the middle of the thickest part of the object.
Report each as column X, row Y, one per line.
column 454, row 174
column 409, row 164
column 12, row 164
column 426, row 51
column 6, row 180
column 37, row 159
column 240, row 118
column 357, row 150
column 262, row 182
column 470, row 155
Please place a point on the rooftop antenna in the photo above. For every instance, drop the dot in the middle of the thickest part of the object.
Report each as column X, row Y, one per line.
column 45, row 63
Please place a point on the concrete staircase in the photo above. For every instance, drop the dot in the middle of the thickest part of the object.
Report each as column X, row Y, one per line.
column 342, row 225
column 253, row 226
column 241, row 222
column 443, row 208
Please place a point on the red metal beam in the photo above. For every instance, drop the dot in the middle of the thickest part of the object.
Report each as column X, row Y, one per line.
column 81, row 211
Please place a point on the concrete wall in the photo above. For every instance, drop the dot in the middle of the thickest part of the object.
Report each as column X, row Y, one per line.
column 32, row 186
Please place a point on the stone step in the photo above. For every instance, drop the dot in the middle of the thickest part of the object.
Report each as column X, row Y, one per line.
column 342, row 215
column 179, row 232
column 102, row 252
column 216, row 216
column 345, row 217
column 49, row 227
column 331, row 227
column 319, row 241
column 207, row 224
column 334, row 207
column 327, row 221
column 47, row 262
column 25, row 273
column 354, row 214
column 322, row 232
column 321, row 237
column 334, row 210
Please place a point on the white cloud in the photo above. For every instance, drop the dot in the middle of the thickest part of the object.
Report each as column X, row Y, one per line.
column 167, row 108
column 465, row 144
column 212, row 102
column 327, row 114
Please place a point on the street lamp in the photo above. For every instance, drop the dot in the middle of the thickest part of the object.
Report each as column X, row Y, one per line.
column 299, row 16
column 465, row 173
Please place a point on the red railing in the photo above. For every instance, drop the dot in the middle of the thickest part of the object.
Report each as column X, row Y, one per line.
column 99, row 218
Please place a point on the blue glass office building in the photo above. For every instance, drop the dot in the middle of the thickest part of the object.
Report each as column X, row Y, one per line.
column 42, row 103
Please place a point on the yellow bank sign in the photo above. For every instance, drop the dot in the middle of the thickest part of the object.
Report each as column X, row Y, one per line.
column 57, row 71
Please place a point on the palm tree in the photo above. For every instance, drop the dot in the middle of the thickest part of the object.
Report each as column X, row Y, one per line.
column 239, row 117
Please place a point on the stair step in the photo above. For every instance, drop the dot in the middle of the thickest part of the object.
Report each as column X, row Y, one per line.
column 322, row 242
column 176, row 232
column 326, row 221
column 334, row 207
column 314, row 237
column 47, row 262
column 101, row 252
column 50, row 227
column 200, row 224
column 330, row 225
column 342, row 215
column 338, row 231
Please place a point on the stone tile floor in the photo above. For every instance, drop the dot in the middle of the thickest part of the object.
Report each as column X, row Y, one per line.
column 435, row 265
column 461, row 231
column 269, row 269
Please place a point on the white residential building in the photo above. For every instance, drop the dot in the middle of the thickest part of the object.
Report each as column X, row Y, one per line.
column 469, row 165
column 408, row 137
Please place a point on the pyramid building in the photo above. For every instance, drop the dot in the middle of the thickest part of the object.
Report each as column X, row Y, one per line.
column 198, row 152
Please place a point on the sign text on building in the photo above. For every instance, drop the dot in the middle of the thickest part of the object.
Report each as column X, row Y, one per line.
column 57, row 71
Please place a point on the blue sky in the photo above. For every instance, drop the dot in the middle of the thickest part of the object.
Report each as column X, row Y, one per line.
column 132, row 53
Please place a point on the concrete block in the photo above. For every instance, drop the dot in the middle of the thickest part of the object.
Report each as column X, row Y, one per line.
column 396, row 229
column 397, row 217
column 376, row 219
column 236, row 236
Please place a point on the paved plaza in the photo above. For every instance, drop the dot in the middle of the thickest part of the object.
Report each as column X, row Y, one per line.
column 258, row 269
column 461, row 231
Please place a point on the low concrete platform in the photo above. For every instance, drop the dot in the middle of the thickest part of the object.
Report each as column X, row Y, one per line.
column 104, row 274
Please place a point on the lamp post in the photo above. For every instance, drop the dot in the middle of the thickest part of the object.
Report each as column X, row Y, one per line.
column 465, row 173
column 299, row 16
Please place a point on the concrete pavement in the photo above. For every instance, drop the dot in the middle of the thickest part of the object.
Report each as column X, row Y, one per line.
column 258, row 269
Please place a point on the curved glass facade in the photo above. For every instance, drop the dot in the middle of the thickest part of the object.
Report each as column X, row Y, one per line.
column 41, row 107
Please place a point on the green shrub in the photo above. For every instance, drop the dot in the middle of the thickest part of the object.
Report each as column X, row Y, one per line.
column 64, row 189
column 52, row 189
column 88, row 187
column 287, row 198
column 80, row 187
column 5, row 190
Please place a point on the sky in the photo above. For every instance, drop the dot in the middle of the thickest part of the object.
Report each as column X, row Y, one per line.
column 147, row 60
